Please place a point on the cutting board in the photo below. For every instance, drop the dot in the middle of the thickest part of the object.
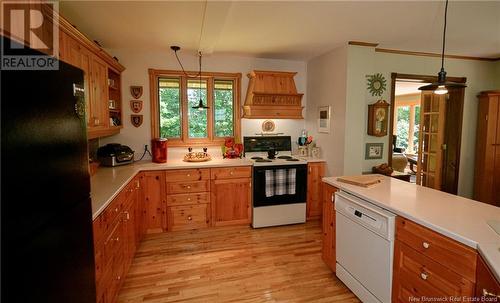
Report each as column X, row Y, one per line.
column 361, row 180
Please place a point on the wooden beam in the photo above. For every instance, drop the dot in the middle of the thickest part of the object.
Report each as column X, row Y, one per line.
column 360, row 43
column 425, row 54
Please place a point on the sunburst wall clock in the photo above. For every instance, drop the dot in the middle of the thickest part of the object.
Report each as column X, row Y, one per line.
column 376, row 84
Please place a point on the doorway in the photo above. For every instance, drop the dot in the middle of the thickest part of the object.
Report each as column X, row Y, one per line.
column 426, row 132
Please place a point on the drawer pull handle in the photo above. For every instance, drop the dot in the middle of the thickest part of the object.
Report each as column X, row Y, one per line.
column 127, row 215
column 187, row 186
column 117, row 239
column 116, row 209
column 231, row 173
column 426, row 245
column 424, row 276
column 189, row 199
column 188, row 175
column 190, row 218
column 118, row 278
column 486, row 293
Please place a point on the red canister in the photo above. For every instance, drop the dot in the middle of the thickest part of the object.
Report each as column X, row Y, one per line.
column 159, row 149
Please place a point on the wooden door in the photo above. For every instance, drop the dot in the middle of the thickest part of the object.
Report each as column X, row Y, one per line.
column 231, row 201
column 98, row 113
column 453, row 140
column 431, row 139
column 328, row 248
column 154, row 202
column 316, row 171
column 487, row 161
column 129, row 222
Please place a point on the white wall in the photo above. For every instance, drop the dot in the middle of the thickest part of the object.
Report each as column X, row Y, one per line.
column 326, row 85
column 481, row 75
column 137, row 64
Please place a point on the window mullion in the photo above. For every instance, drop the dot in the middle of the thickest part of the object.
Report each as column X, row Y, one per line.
column 210, row 110
column 184, row 106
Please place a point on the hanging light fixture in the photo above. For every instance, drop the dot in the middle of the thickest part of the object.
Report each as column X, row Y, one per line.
column 176, row 48
column 441, row 86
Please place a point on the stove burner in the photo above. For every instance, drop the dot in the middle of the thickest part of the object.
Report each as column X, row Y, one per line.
column 284, row 157
column 263, row 160
column 292, row 159
column 256, row 158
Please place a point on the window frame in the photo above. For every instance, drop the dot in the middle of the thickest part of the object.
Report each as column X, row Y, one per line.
column 184, row 140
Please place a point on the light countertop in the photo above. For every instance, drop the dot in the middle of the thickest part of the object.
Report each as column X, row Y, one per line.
column 109, row 181
column 461, row 219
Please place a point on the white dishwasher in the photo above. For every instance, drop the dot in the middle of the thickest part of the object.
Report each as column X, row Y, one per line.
column 364, row 247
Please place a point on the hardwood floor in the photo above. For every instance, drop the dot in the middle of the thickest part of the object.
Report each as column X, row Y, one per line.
column 234, row 264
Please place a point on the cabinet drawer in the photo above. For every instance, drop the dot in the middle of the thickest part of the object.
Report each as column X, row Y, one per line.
column 113, row 210
column 188, row 187
column 187, row 217
column 188, row 199
column 231, row 172
column 187, row 175
column 113, row 245
column 453, row 255
column 418, row 276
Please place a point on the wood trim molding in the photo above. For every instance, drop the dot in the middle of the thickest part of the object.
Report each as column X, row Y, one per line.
column 72, row 31
column 425, row 54
column 211, row 140
column 360, row 43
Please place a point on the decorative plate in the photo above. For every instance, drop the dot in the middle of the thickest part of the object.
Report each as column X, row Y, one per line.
column 268, row 126
column 197, row 157
column 376, row 84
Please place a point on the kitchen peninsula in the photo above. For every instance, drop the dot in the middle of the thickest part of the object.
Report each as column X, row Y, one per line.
column 439, row 238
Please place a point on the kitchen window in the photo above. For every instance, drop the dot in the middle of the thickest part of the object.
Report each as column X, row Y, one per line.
column 173, row 96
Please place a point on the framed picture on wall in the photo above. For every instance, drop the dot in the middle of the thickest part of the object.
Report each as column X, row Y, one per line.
column 324, row 119
column 374, row 151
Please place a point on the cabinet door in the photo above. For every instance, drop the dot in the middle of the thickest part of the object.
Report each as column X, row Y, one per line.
column 231, row 200
column 328, row 251
column 154, row 202
column 486, row 284
column 316, row 171
column 99, row 102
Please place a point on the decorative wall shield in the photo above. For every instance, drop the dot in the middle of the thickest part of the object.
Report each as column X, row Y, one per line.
column 136, row 105
column 136, row 120
column 136, row 91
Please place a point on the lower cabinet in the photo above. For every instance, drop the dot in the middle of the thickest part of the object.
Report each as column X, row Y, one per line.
column 154, row 211
column 328, row 248
column 430, row 265
column 115, row 241
column 486, row 284
column 231, row 192
column 314, row 206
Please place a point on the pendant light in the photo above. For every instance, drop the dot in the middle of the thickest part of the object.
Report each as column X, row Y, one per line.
column 175, row 48
column 441, row 86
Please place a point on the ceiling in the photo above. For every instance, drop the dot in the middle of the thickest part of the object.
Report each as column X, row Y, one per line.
column 296, row 30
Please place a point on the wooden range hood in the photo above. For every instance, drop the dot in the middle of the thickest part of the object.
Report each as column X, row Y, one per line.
column 272, row 94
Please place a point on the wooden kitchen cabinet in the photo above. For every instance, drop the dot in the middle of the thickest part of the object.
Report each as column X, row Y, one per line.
column 428, row 264
column 188, row 202
column 486, row 284
column 328, row 227
column 231, row 201
column 487, row 164
column 315, row 172
column 155, row 213
column 116, row 240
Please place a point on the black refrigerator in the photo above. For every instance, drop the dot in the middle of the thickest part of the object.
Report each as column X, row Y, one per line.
column 47, row 250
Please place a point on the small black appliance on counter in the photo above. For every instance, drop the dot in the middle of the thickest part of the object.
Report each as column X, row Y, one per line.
column 114, row 154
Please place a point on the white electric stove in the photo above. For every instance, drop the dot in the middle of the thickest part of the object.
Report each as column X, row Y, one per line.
column 271, row 204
